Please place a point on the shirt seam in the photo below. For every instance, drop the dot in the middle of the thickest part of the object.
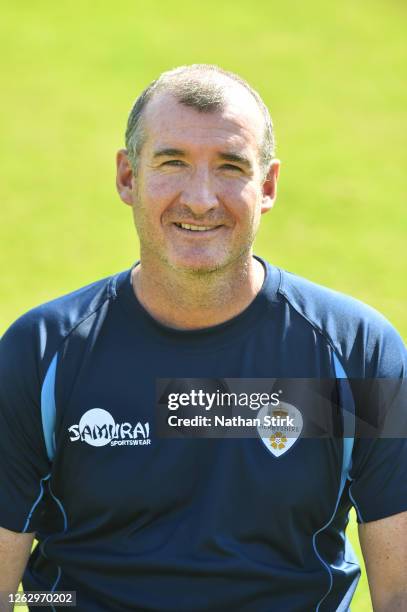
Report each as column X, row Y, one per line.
column 312, row 323
column 110, row 295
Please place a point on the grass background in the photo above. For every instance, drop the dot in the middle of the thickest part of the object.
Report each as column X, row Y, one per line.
column 331, row 73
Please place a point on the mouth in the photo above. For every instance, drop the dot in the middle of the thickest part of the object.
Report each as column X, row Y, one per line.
column 192, row 228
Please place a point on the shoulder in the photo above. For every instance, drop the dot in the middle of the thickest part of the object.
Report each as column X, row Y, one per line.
column 363, row 339
column 38, row 333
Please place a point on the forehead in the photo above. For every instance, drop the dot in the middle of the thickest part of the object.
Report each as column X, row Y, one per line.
column 239, row 125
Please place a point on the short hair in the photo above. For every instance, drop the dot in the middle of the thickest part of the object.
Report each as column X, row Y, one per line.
column 199, row 86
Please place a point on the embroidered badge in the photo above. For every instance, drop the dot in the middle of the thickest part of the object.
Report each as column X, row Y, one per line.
column 280, row 427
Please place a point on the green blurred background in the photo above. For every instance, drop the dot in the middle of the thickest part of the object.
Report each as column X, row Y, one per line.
column 331, row 73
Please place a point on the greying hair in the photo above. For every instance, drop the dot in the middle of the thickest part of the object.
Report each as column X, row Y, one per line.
column 195, row 86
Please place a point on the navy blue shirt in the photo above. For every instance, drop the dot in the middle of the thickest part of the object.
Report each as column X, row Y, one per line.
column 188, row 525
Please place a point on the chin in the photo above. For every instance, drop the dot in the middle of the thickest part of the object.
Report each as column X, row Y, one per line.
column 197, row 266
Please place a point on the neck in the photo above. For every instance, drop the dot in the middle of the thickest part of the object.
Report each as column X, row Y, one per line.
column 186, row 300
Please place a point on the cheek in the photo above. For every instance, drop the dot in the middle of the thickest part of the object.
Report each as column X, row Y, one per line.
column 152, row 200
column 160, row 188
column 244, row 200
column 251, row 195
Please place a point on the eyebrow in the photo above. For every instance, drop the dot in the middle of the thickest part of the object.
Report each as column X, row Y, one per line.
column 169, row 152
column 232, row 157
column 236, row 157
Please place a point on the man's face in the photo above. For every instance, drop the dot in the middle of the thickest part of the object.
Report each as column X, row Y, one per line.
column 198, row 193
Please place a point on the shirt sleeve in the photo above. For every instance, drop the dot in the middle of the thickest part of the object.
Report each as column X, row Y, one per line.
column 378, row 475
column 24, row 465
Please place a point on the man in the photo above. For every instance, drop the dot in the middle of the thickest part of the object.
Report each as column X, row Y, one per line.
column 132, row 521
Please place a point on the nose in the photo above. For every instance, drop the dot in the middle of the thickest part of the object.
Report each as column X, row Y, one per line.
column 199, row 193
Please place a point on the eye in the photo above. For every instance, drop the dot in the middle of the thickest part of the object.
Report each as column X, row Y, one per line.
column 231, row 167
column 173, row 162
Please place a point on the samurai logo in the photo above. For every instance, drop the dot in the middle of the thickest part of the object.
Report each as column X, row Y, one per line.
column 98, row 428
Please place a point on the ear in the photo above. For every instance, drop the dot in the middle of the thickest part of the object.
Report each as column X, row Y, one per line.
column 124, row 177
column 269, row 188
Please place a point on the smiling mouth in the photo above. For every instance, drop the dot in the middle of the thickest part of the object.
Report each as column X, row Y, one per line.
column 197, row 228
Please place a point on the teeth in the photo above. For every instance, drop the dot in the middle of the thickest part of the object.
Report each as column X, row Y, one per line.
column 194, row 228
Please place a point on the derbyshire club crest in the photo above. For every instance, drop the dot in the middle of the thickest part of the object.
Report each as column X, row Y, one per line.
column 280, row 433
